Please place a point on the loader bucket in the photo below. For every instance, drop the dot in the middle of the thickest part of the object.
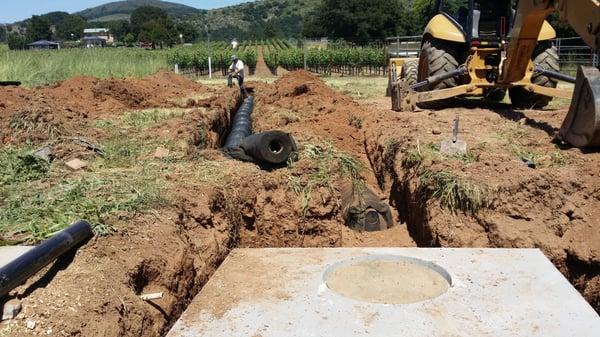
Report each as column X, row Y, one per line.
column 581, row 128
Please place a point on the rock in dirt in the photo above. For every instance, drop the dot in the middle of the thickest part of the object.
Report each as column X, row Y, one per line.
column 31, row 324
column 11, row 309
column 44, row 153
column 161, row 153
column 76, row 164
column 150, row 297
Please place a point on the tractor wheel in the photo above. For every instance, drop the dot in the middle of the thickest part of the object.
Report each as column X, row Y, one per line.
column 545, row 55
column 437, row 57
column 410, row 72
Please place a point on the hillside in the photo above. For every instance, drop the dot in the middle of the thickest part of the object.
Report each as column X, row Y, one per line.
column 259, row 19
column 123, row 9
column 250, row 20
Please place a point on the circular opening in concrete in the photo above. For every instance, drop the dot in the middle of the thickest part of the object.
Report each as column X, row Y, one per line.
column 276, row 147
column 388, row 279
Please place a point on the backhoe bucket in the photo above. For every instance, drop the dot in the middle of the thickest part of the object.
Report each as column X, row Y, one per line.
column 581, row 128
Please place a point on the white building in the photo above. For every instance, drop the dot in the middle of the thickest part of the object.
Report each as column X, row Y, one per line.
column 97, row 36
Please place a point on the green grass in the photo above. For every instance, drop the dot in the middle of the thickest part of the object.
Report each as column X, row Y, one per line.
column 328, row 165
column 35, row 67
column 150, row 117
column 455, row 194
column 40, row 211
column 38, row 199
column 3, row 48
column 355, row 121
column 20, row 165
column 359, row 87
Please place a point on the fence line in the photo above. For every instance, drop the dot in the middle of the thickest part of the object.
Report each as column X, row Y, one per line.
column 574, row 51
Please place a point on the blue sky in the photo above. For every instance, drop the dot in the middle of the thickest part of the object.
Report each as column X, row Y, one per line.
column 16, row 10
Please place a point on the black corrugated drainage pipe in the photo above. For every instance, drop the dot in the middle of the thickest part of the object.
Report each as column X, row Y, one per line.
column 241, row 125
column 9, row 83
column 20, row 269
column 268, row 149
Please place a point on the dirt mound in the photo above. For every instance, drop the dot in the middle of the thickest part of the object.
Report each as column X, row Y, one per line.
column 302, row 104
column 301, row 88
column 39, row 113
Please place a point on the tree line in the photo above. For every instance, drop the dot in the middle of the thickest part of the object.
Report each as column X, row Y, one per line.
column 351, row 20
column 147, row 24
column 358, row 20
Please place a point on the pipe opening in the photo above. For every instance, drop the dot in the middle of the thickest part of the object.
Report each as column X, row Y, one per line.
column 276, row 147
column 372, row 221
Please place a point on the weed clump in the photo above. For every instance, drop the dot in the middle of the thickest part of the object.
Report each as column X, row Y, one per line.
column 20, row 166
column 329, row 165
column 355, row 121
column 455, row 194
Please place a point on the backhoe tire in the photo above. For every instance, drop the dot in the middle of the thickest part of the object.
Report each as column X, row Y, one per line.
column 437, row 57
column 545, row 55
column 410, row 72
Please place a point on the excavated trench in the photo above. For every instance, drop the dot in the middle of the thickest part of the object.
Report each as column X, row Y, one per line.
column 256, row 213
column 505, row 223
column 177, row 251
column 253, row 211
column 259, row 215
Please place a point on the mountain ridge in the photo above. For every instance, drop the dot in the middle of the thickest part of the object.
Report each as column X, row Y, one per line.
column 123, row 9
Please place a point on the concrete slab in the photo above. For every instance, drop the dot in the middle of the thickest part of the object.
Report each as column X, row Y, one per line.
column 9, row 253
column 286, row 292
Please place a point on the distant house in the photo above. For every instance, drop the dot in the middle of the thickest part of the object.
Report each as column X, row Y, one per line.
column 93, row 37
column 43, row 44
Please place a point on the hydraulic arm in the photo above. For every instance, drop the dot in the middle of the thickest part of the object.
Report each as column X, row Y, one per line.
column 581, row 127
column 582, row 15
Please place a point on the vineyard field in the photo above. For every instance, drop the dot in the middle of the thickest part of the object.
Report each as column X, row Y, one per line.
column 337, row 58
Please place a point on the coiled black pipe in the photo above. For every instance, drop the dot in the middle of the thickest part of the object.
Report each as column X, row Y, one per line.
column 20, row 269
column 241, row 126
column 270, row 147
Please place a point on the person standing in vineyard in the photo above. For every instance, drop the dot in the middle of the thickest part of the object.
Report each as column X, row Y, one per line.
column 236, row 69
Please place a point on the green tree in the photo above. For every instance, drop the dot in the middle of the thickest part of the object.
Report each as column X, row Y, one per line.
column 3, row 34
column 189, row 31
column 153, row 25
column 360, row 20
column 128, row 39
column 420, row 13
column 271, row 30
column 38, row 28
column 16, row 41
column 119, row 29
column 71, row 27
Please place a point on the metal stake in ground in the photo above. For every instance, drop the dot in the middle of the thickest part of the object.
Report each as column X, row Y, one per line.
column 454, row 146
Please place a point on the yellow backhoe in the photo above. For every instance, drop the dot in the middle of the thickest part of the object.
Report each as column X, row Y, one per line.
column 486, row 48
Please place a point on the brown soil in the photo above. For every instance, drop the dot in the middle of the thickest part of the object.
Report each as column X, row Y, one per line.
column 553, row 207
column 175, row 248
column 63, row 109
column 261, row 67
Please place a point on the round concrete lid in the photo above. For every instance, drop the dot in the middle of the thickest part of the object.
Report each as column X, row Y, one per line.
column 388, row 280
